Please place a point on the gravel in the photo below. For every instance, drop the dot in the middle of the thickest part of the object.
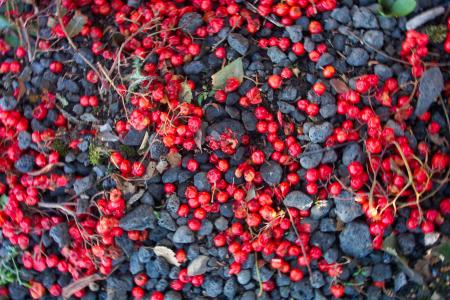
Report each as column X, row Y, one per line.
column 295, row 33
column 347, row 209
column 140, row 218
column 183, row 235
column 271, row 172
column 364, row 18
column 430, row 87
column 358, row 57
column 238, row 42
column 190, row 21
column 374, row 38
column 276, row 55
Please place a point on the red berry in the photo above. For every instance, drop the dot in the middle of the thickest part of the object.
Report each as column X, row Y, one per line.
column 274, row 81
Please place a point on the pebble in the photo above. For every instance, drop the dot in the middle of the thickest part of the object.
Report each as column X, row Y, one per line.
column 8, row 103
column 374, row 38
column 133, row 137
column 288, row 94
column 24, row 140
column 320, row 133
column 355, row 240
column 381, row 272
column 298, row 200
column 400, row 281
column 364, row 18
column 83, row 184
column 323, row 240
column 276, row 55
column 347, row 209
column 201, row 183
column 221, row 223
column 358, row 57
column 212, row 286
column 230, row 288
column 60, row 234
column 324, row 60
column 317, row 280
column 140, row 218
column 383, row 71
column 190, row 21
column 351, row 153
column 194, row 68
column 271, row 172
column 24, row 164
column 341, row 14
column 238, row 42
column 430, row 87
column 320, row 209
column 311, row 160
column 244, row 277
column 166, row 221
column 295, row 33
column 183, row 235
column 406, row 243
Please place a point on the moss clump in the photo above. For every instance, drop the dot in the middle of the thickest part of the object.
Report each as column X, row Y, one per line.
column 127, row 151
column 60, row 147
column 436, row 33
column 96, row 155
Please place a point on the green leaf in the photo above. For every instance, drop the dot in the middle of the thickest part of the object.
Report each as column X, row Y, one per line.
column 397, row 8
column 76, row 24
column 185, row 93
column 233, row 69
column 4, row 23
column 3, row 201
column 12, row 39
column 443, row 252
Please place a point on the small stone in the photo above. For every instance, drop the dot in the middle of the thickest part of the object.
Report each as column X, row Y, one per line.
column 355, row 240
column 311, row 157
column 190, row 21
column 288, row 94
column 323, row 240
column 140, row 218
column 221, row 223
column 230, row 288
column 134, row 137
column 60, row 234
column 342, row 15
column 351, row 153
column 271, row 172
column 198, row 266
column 206, row 228
column 320, row 209
column 194, row 67
column 317, row 280
column 183, row 235
column 430, row 87
column 320, row 133
column 135, row 265
column 383, row 71
column 358, row 57
column 8, row 103
column 295, row 33
column 249, row 120
column 201, row 183
column 364, row 18
column 406, row 243
column 213, row 286
column 400, row 281
column 374, row 38
column 347, row 209
column 238, row 42
column 166, row 221
column 328, row 225
column 381, row 272
column 157, row 149
column 276, row 55
column 83, row 184
column 24, row 140
column 298, row 200
column 328, row 110
column 324, row 60
column 244, row 277
column 144, row 255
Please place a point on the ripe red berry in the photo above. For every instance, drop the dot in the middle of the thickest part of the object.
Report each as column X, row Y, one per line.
column 56, row 67
column 274, row 81
column 337, row 290
column 319, row 88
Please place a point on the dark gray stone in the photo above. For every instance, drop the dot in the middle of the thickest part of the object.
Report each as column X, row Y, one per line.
column 355, row 240
column 430, row 87
column 83, row 184
column 24, row 164
column 134, row 137
column 374, row 38
column 183, row 235
column 298, row 200
column 60, row 234
column 271, row 172
column 238, row 42
column 201, row 182
column 276, row 55
column 381, row 272
column 320, row 133
column 311, row 157
column 190, row 21
column 364, row 18
column 295, row 33
column 194, row 67
column 358, row 57
column 140, row 218
column 347, row 209
column 8, row 103
column 351, row 153
column 213, row 286
column 341, row 14
column 166, row 221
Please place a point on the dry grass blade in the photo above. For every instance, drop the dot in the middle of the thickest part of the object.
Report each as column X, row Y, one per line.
column 81, row 283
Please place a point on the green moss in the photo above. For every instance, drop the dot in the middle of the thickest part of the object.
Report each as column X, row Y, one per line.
column 436, row 33
column 60, row 147
column 96, row 155
column 9, row 273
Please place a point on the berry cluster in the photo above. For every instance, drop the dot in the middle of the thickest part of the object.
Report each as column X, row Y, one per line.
column 414, row 48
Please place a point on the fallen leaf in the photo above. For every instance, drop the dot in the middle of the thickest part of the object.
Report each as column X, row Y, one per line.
column 174, row 159
column 150, row 171
column 144, row 144
column 233, row 69
column 76, row 24
column 162, row 166
column 431, row 238
column 198, row 139
column 185, row 93
column 79, row 284
column 167, row 254
column 135, row 197
column 198, row 266
column 251, row 193
column 22, row 88
column 339, row 86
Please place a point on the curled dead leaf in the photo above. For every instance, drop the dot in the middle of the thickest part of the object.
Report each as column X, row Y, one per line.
column 166, row 253
column 339, row 86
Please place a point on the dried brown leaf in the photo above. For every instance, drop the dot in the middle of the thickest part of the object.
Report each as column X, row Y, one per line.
column 339, row 86
column 174, row 159
column 79, row 284
column 166, row 253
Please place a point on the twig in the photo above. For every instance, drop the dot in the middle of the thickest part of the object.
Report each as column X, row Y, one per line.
column 268, row 18
column 424, row 17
